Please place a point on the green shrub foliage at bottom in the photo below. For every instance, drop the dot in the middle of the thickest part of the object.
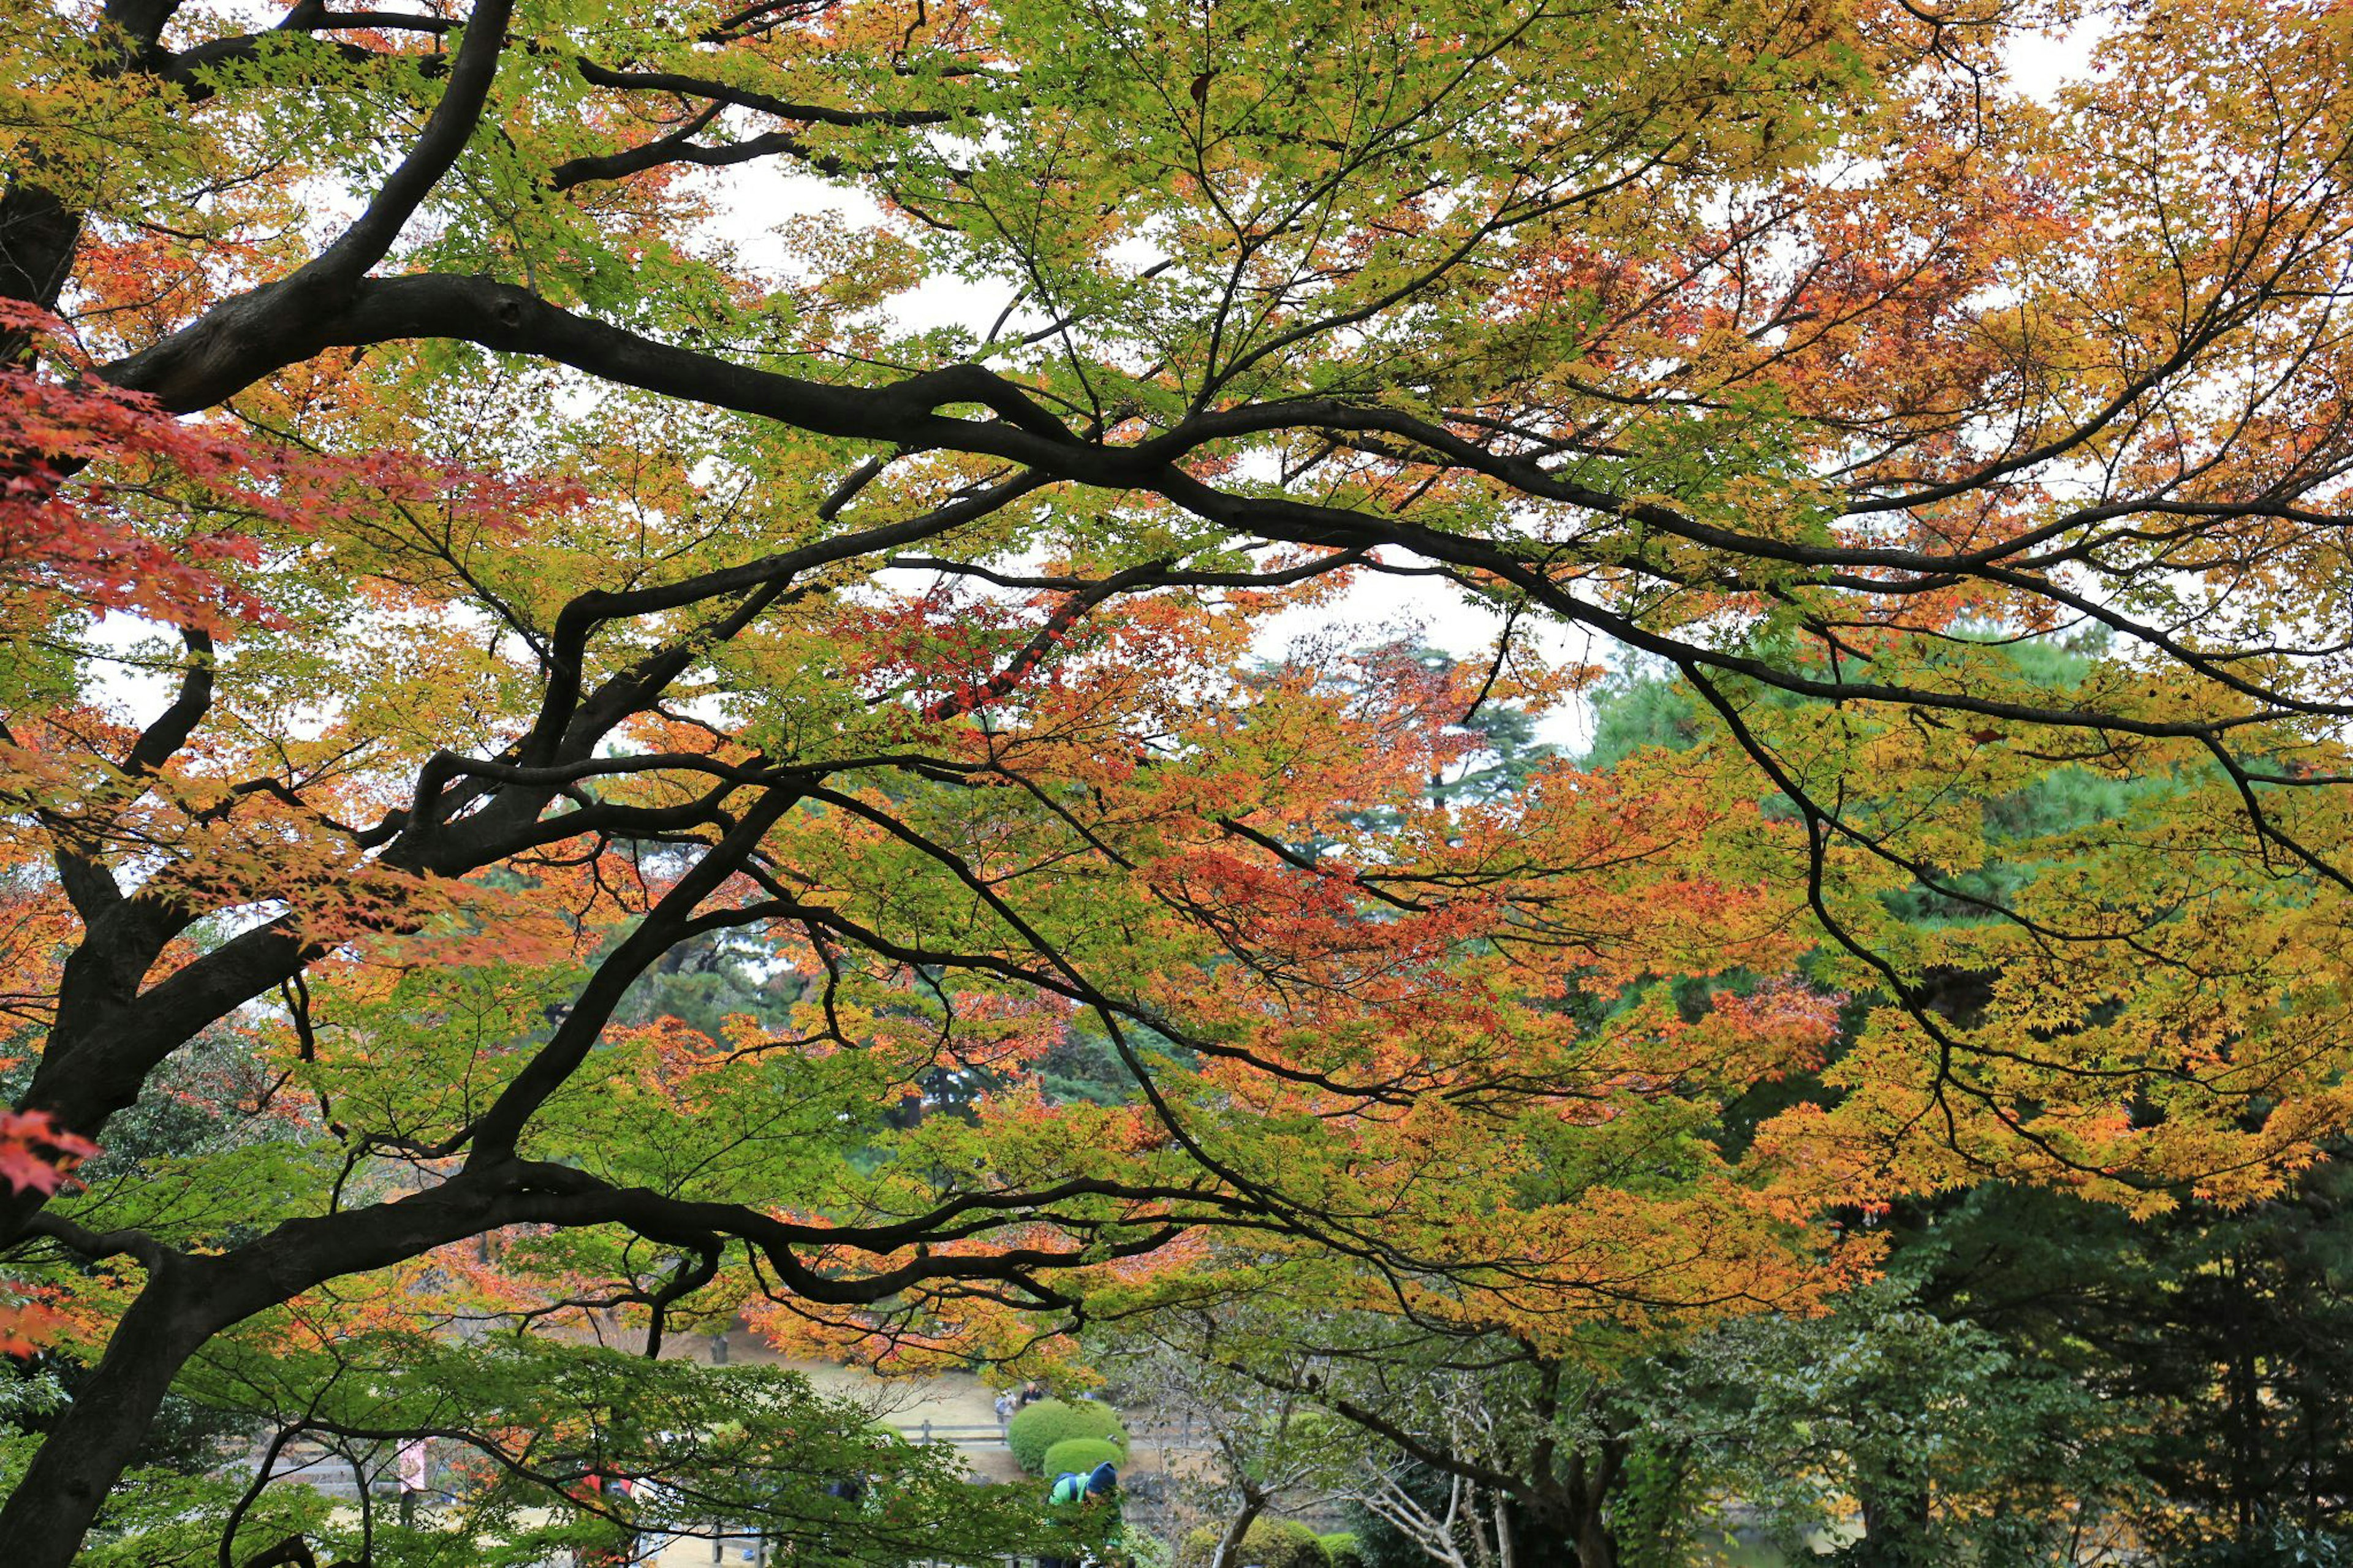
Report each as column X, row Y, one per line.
column 1268, row 1544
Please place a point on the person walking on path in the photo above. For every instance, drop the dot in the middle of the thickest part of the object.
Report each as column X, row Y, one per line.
column 416, row 1467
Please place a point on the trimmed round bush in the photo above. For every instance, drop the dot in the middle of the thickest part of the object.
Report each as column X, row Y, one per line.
column 1082, row 1455
column 1344, row 1549
column 1267, row 1543
column 1051, row 1421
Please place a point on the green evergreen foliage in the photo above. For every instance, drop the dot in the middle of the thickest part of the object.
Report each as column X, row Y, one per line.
column 1082, row 1065
column 1036, row 1429
column 1507, row 754
column 702, row 982
column 1267, row 1543
column 1644, row 705
column 2224, row 1336
column 1647, row 705
column 1954, row 1448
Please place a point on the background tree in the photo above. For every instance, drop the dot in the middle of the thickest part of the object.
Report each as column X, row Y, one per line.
column 1273, row 1450
column 2207, row 1336
column 1904, row 1437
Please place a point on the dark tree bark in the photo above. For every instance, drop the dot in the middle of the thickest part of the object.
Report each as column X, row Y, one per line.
column 78, row 1463
column 1227, row 1552
column 1571, row 1519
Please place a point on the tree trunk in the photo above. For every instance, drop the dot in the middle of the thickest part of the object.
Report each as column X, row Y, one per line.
column 1895, row 1516
column 186, row 1301
column 1596, row 1547
column 1558, row 1529
column 1568, row 1520
column 1229, row 1545
column 81, row 1460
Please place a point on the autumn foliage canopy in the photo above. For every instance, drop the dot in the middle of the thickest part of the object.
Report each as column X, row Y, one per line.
column 500, row 498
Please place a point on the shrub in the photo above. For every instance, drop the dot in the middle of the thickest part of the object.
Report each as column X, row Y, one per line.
column 1267, row 1543
column 1345, row 1549
column 1080, row 1454
column 1051, row 1421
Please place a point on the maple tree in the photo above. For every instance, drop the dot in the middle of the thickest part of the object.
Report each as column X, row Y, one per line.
column 450, row 567
column 35, row 1153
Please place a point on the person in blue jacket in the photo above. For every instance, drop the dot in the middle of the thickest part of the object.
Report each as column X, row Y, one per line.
column 1087, row 1491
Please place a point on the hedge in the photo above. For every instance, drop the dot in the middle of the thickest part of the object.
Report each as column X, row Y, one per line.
column 1267, row 1543
column 1082, row 1455
column 1039, row 1427
column 1345, row 1549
